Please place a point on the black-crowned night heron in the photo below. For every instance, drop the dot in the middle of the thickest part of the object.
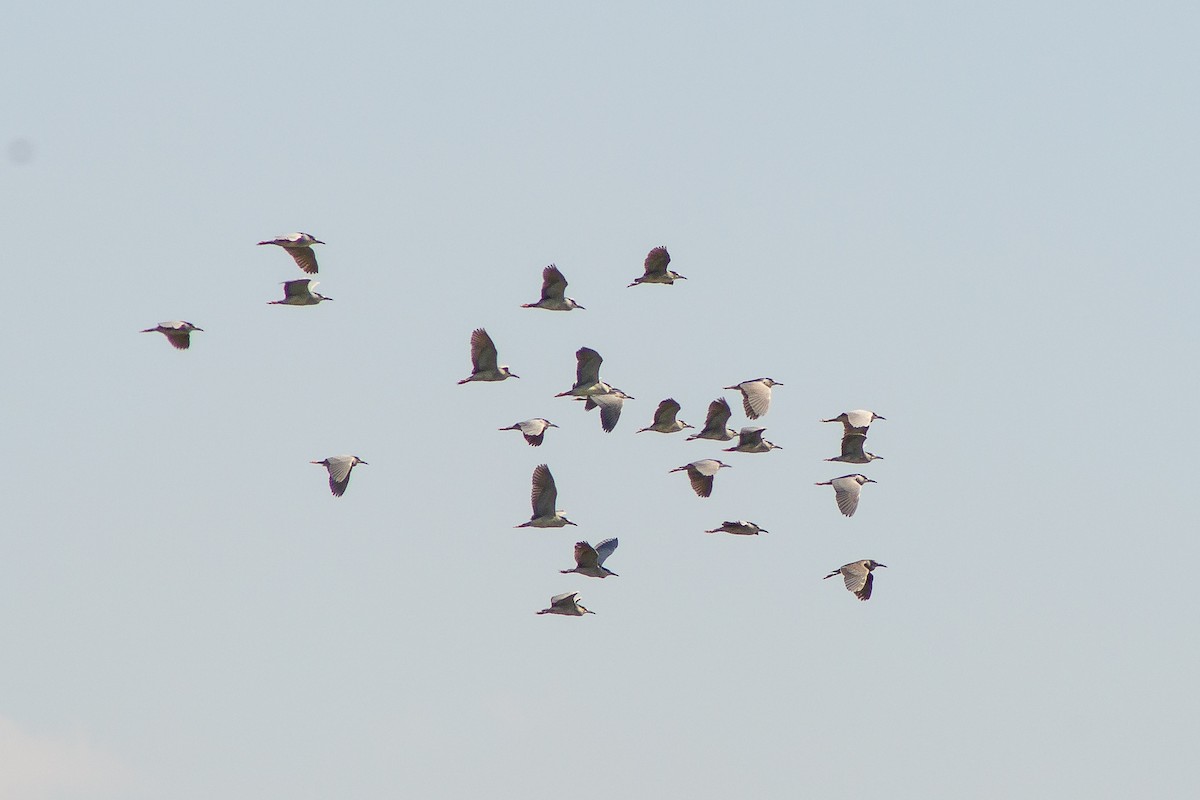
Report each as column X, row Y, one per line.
column 701, row 473
column 716, row 424
column 587, row 375
column 339, row 471
column 858, row 577
column 543, row 497
column 534, row 430
column 554, row 285
column 739, row 527
column 299, row 247
column 756, row 395
column 852, row 450
column 610, row 404
column 846, row 489
column 299, row 293
column 590, row 560
column 566, row 604
column 656, row 268
column 177, row 331
column 664, row 418
column 483, row 360
column 750, row 440
column 856, row 421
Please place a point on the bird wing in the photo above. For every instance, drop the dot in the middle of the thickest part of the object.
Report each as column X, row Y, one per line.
column 304, row 257
column 852, row 446
column 298, row 288
column 483, row 351
column 665, row 413
column 564, row 599
column 718, row 416
column 847, row 492
column 554, row 285
column 180, row 340
column 604, row 550
column 749, row 437
column 534, row 430
column 701, row 484
column 865, row 592
column 859, row 419
column 657, row 261
column 855, row 575
column 544, row 495
column 610, row 410
column 585, row 555
column 756, row 398
column 339, row 473
column 587, row 366
column 535, row 439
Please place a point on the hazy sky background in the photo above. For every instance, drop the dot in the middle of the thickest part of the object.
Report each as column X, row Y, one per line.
column 978, row 220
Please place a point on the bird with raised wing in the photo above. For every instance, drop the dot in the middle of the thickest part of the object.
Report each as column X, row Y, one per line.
column 701, row 473
column 739, row 527
column 856, row 421
column 716, row 424
column 587, row 375
column 483, row 360
column 610, row 404
column 177, row 331
column 534, row 430
column 852, row 450
column 847, row 489
column 656, row 268
column 858, row 577
column 299, row 247
column 750, row 440
column 756, row 395
column 339, row 471
column 590, row 560
column 566, row 604
column 553, row 298
column 543, row 497
column 664, row 418
column 299, row 293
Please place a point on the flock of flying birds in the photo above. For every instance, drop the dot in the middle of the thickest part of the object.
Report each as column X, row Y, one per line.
column 595, row 393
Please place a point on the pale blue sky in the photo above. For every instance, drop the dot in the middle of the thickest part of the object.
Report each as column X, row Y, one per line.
column 976, row 219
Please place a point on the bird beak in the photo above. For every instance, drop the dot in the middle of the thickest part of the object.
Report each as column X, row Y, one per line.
column 871, row 481
column 581, row 308
column 551, row 425
column 571, row 523
column 879, row 417
column 317, row 241
column 365, row 464
column 513, row 375
column 881, row 565
column 198, row 329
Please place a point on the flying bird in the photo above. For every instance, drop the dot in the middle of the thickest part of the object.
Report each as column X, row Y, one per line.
column 856, row 421
column 299, row 293
column 750, row 440
column 701, row 473
column 717, row 422
column 664, row 418
column 846, row 489
column 610, row 404
column 590, row 560
column 587, row 375
column 553, row 287
column 858, row 577
column 534, row 430
column 756, row 395
column 740, row 528
column 566, row 604
column 852, row 450
column 178, row 332
column 543, row 497
column 483, row 360
column 299, row 247
column 656, row 268
column 339, row 471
